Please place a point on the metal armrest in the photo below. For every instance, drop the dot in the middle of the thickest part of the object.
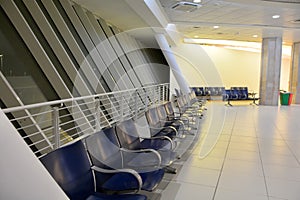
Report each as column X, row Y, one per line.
column 181, row 118
column 172, row 121
column 144, row 151
column 171, row 127
column 163, row 138
column 132, row 172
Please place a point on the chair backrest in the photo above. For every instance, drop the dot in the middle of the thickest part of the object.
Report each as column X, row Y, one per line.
column 235, row 92
column 181, row 104
column 153, row 120
column 71, row 169
column 226, row 95
column 102, row 147
column 169, row 109
column 177, row 92
column 244, row 92
column 162, row 114
column 142, row 126
column 128, row 135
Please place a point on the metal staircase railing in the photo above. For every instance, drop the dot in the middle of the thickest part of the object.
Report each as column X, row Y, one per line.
column 49, row 125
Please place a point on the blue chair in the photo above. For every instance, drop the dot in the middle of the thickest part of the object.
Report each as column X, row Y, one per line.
column 234, row 93
column 71, row 169
column 105, row 152
column 129, row 138
column 227, row 97
column 194, row 89
column 172, row 115
column 165, row 120
column 159, row 126
column 199, row 91
column 244, row 92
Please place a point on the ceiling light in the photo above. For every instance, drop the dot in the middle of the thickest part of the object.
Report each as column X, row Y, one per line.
column 197, row 1
column 216, row 27
column 275, row 16
column 196, row 36
column 255, row 36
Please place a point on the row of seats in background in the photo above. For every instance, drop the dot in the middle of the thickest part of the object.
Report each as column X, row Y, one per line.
column 234, row 93
column 130, row 155
column 208, row 92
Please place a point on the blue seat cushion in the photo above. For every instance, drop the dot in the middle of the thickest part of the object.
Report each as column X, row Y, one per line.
column 99, row 196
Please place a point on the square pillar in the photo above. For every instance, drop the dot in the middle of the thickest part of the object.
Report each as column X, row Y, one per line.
column 294, row 83
column 270, row 71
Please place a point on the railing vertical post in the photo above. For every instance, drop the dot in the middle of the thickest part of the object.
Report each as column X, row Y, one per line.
column 154, row 95
column 97, row 115
column 122, row 107
column 135, row 104
column 146, row 98
column 1, row 63
column 55, row 121
column 167, row 92
column 163, row 93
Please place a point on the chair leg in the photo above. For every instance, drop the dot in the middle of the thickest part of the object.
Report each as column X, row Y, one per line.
column 170, row 170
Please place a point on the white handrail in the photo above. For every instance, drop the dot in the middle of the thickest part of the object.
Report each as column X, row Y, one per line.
column 58, row 122
column 62, row 101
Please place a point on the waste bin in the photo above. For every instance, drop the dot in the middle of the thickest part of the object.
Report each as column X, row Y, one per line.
column 286, row 98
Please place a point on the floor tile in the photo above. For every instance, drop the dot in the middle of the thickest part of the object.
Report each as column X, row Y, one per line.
column 223, row 194
column 180, row 191
column 207, row 162
column 243, row 155
column 256, row 157
column 282, row 172
column 280, row 160
column 243, row 139
column 243, row 146
column 217, row 153
column 196, row 175
column 243, row 183
column 285, row 189
column 242, row 167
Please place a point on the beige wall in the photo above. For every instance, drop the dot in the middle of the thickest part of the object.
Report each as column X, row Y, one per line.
column 218, row 66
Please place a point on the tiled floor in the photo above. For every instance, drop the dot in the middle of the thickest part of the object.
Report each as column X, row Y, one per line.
column 256, row 156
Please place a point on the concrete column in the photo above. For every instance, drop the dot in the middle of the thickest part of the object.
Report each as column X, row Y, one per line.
column 164, row 46
column 270, row 71
column 294, row 84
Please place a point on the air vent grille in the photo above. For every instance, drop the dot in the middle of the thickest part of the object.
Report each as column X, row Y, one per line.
column 184, row 6
column 296, row 21
column 284, row 1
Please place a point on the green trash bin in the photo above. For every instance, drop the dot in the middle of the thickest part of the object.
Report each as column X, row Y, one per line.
column 285, row 98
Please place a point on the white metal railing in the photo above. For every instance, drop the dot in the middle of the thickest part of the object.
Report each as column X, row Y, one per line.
column 47, row 126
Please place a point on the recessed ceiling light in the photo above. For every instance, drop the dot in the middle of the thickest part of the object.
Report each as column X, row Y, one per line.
column 197, row 1
column 275, row 16
column 216, row 26
column 255, row 36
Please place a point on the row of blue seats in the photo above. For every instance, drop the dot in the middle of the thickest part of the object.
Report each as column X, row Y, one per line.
column 208, row 91
column 236, row 93
column 118, row 158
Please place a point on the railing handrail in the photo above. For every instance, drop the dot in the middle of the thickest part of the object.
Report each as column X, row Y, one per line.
column 48, row 125
column 62, row 101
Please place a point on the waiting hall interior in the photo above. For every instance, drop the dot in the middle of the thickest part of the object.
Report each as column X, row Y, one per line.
column 150, row 99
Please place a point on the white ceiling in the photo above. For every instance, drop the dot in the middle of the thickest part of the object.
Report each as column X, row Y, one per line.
column 237, row 19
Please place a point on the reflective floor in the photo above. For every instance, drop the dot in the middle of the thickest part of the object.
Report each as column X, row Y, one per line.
column 256, row 156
